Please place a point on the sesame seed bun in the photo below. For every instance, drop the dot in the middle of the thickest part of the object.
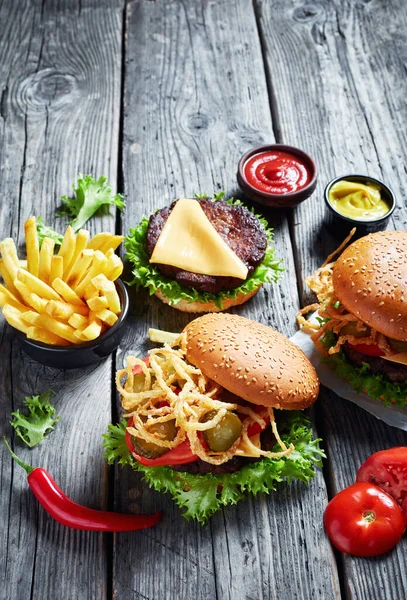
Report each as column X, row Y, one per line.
column 251, row 360
column 200, row 307
column 370, row 280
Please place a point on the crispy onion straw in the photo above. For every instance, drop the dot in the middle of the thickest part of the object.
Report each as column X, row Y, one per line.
column 170, row 389
column 332, row 315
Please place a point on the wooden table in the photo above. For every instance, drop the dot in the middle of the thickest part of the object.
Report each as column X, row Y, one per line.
column 163, row 97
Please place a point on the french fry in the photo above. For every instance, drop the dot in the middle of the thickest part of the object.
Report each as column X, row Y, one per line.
column 46, row 337
column 57, row 268
column 98, row 266
column 8, row 279
column 80, row 267
column 63, row 330
column 102, row 283
column 5, row 298
column 98, row 240
column 37, row 286
column 90, row 292
column 32, row 246
column 107, row 316
column 92, row 331
column 67, row 248
column 30, row 299
column 14, row 318
column 9, row 256
column 78, row 321
column 97, row 303
column 114, row 267
column 109, row 290
column 111, row 243
column 23, row 264
column 46, row 256
column 109, row 253
column 80, row 337
column 31, row 317
column 67, row 292
column 63, row 310
column 80, row 245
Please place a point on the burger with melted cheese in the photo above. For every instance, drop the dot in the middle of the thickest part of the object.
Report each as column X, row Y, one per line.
column 216, row 414
column 202, row 255
column 363, row 315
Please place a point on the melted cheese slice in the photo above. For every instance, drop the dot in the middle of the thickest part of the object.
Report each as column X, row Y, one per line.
column 244, row 450
column 401, row 358
column 190, row 242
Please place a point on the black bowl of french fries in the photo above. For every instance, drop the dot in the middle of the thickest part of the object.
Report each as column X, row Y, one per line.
column 68, row 306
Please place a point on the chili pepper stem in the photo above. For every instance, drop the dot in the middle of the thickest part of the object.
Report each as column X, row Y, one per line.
column 28, row 469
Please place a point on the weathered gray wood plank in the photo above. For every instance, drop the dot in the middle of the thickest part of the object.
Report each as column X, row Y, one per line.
column 337, row 73
column 195, row 99
column 60, row 77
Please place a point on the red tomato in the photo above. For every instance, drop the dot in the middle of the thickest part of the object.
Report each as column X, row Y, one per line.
column 181, row 455
column 388, row 470
column 363, row 520
column 369, row 349
column 137, row 369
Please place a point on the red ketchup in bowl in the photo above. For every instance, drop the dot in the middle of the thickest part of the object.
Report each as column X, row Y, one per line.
column 276, row 172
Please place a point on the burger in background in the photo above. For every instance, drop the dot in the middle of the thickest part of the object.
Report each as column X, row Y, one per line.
column 362, row 314
column 216, row 414
column 202, row 254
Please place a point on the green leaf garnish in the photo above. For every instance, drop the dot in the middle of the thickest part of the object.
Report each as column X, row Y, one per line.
column 147, row 275
column 199, row 496
column 91, row 196
column 38, row 423
column 44, row 231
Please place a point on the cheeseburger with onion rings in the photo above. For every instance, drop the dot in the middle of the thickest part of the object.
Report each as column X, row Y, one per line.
column 215, row 414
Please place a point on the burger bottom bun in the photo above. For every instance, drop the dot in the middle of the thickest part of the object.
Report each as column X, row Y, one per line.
column 202, row 307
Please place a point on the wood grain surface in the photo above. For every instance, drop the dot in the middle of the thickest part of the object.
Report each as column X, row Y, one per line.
column 60, row 77
column 339, row 97
column 163, row 97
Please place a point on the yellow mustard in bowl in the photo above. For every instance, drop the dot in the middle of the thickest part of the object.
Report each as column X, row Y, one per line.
column 357, row 200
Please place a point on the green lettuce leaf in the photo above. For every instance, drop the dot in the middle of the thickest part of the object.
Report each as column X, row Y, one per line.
column 91, row 196
column 199, row 496
column 44, row 231
column 38, row 423
column 147, row 275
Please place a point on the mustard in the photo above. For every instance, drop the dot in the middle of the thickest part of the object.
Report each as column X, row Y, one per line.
column 358, row 201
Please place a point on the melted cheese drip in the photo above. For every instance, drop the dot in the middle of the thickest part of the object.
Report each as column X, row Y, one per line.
column 190, row 242
column 244, row 449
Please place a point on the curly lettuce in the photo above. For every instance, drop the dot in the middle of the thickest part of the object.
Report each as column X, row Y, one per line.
column 147, row 275
column 200, row 496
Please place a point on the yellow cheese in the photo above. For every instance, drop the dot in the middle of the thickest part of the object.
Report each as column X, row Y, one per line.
column 244, row 450
column 401, row 358
column 190, row 242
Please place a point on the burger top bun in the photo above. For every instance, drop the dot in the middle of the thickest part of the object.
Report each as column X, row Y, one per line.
column 370, row 280
column 252, row 361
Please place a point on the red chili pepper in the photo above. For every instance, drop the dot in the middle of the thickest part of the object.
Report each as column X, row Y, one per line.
column 69, row 513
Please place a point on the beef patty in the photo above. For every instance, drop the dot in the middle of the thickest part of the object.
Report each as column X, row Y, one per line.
column 396, row 372
column 238, row 227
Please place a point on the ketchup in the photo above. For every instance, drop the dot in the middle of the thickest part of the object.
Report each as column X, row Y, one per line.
column 276, row 172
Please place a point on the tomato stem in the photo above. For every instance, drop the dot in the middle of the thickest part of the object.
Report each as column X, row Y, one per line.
column 369, row 516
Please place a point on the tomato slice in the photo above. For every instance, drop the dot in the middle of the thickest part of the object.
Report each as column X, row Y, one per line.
column 363, row 520
column 181, row 455
column 137, row 369
column 368, row 349
column 388, row 470
column 256, row 427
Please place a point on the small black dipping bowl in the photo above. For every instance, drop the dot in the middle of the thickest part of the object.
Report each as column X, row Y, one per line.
column 82, row 355
column 340, row 226
column 288, row 200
